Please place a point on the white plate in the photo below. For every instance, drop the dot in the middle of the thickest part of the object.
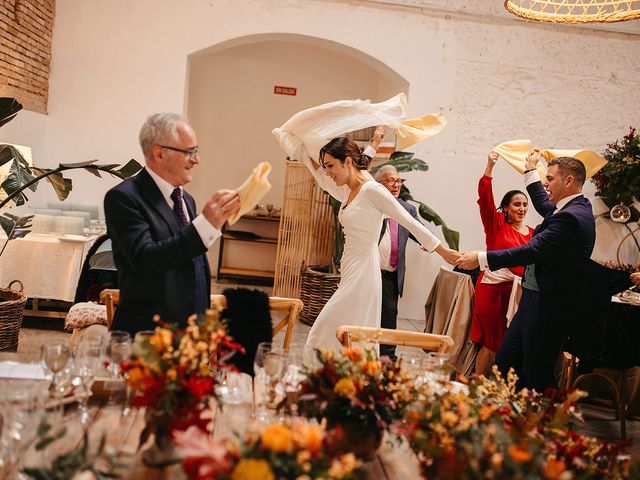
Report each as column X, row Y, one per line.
column 67, row 237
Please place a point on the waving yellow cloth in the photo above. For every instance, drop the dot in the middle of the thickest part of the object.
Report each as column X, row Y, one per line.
column 252, row 190
column 515, row 153
column 415, row 130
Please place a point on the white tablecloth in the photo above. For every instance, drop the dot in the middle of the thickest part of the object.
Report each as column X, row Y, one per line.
column 47, row 266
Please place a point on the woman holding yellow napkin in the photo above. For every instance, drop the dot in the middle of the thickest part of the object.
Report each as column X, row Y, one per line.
column 496, row 291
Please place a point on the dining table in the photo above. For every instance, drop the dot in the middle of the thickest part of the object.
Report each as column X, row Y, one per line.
column 121, row 428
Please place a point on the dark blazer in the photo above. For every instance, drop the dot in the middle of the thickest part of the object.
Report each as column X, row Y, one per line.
column 403, row 236
column 561, row 248
column 153, row 255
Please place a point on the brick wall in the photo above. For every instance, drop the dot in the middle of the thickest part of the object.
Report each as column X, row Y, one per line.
column 26, row 27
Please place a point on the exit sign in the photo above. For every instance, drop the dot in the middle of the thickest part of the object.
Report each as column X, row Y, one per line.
column 279, row 90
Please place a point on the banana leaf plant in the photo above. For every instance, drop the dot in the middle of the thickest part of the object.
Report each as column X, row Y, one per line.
column 23, row 176
column 404, row 162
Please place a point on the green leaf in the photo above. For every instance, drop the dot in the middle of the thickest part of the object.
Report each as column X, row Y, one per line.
column 7, row 224
column 401, row 156
column 130, row 168
column 9, row 108
column 411, row 165
column 62, row 186
column 71, row 166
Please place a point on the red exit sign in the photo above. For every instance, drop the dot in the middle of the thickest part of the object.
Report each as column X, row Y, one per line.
column 278, row 90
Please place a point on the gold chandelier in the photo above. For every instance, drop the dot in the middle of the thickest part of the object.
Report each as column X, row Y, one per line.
column 575, row 11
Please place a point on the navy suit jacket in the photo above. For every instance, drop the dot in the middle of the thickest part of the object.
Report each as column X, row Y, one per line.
column 561, row 248
column 403, row 236
column 154, row 256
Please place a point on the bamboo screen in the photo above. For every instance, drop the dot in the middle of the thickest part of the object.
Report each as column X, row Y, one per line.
column 306, row 232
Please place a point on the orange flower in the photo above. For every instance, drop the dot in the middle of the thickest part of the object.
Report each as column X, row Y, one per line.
column 519, row 454
column 354, row 353
column 162, row 339
column 277, row 437
column 308, row 437
column 136, row 376
column 486, row 411
column 554, row 469
column 372, row 367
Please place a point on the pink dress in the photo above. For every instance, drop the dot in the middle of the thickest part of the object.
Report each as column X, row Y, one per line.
column 491, row 301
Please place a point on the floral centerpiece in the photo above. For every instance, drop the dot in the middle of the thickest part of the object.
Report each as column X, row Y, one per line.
column 358, row 394
column 497, row 432
column 173, row 372
column 299, row 450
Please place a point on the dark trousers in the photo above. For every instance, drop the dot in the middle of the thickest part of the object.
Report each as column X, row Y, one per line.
column 389, row 308
column 532, row 344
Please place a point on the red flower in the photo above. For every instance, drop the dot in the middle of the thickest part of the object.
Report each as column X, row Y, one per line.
column 199, row 386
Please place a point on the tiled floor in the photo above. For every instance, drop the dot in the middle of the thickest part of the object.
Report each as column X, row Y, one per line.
column 600, row 423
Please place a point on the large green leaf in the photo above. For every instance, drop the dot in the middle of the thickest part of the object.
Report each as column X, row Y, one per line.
column 9, row 107
column 452, row 237
column 130, row 168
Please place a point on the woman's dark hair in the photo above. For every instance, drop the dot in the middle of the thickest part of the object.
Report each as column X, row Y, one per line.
column 342, row 147
column 506, row 200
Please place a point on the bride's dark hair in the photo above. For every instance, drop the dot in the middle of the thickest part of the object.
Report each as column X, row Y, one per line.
column 342, row 147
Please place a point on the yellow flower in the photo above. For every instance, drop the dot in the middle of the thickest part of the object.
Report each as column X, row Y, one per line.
column 252, row 469
column 162, row 339
column 450, row 418
column 372, row 368
column 519, row 454
column 277, row 438
column 345, row 388
column 136, row 376
column 343, row 466
column 554, row 469
column 172, row 374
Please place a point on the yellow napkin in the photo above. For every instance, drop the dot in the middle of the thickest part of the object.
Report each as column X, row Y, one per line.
column 415, row 130
column 592, row 161
column 515, row 153
column 252, row 190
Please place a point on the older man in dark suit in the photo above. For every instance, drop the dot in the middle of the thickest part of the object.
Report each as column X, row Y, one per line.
column 392, row 245
column 556, row 281
column 159, row 242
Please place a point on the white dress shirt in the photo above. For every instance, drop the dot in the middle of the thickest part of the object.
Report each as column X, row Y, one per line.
column 207, row 232
column 384, row 249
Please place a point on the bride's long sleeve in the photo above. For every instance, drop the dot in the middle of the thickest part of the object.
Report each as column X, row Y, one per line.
column 380, row 197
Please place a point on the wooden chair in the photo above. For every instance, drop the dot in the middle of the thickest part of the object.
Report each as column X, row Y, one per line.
column 110, row 298
column 347, row 334
column 277, row 304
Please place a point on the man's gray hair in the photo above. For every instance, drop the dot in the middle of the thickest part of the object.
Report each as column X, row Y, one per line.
column 384, row 169
column 160, row 128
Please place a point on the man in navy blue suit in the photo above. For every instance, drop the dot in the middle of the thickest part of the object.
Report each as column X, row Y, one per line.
column 159, row 242
column 391, row 246
column 555, row 285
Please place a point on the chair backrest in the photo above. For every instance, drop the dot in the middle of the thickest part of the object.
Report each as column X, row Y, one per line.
column 110, row 298
column 347, row 334
column 293, row 307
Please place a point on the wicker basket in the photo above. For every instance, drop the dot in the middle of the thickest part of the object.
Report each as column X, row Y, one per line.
column 316, row 288
column 11, row 311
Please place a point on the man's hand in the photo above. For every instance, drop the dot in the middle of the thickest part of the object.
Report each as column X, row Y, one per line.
column 377, row 137
column 221, row 206
column 468, row 261
column 635, row 278
column 532, row 159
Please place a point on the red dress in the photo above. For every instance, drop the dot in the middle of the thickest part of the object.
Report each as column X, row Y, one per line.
column 491, row 301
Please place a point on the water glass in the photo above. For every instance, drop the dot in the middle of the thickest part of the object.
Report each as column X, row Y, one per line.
column 119, row 350
column 267, row 365
column 55, row 357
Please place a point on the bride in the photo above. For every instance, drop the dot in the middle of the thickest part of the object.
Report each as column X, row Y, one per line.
column 342, row 172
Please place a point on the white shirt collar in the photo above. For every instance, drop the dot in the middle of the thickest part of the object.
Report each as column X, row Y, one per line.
column 165, row 187
column 561, row 203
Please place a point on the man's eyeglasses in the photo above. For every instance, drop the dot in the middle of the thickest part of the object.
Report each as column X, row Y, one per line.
column 393, row 181
column 192, row 152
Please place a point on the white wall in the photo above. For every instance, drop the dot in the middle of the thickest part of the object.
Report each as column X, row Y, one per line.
column 116, row 61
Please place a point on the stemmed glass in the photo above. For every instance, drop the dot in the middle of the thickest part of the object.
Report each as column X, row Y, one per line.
column 87, row 359
column 55, row 357
column 268, row 365
column 119, row 349
column 296, row 358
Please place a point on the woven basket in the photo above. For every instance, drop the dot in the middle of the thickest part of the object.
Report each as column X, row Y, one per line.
column 316, row 288
column 11, row 311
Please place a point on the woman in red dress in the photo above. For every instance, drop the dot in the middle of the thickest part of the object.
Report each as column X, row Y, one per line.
column 503, row 228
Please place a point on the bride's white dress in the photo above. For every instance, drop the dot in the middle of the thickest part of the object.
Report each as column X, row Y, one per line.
column 358, row 299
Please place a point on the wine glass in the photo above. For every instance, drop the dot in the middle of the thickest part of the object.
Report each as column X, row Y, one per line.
column 55, row 357
column 268, row 364
column 119, row 349
column 269, row 208
column 86, row 362
column 294, row 374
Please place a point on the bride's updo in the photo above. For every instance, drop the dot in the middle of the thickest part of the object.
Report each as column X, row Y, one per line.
column 340, row 148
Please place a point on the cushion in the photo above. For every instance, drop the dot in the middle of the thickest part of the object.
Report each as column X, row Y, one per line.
column 84, row 314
